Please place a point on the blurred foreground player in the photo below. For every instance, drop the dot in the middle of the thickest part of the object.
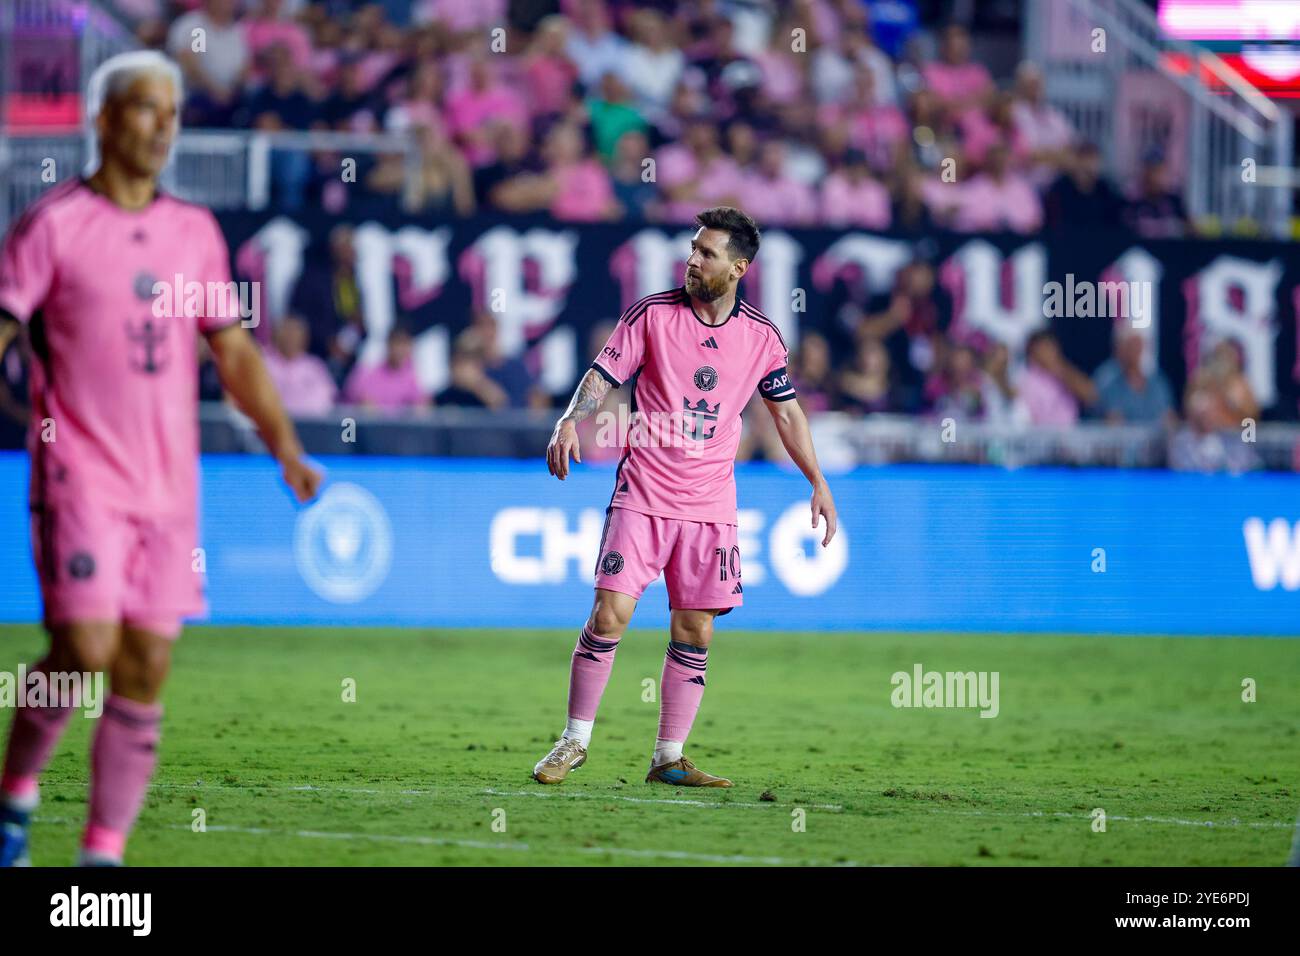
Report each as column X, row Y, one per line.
column 114, row 437
column 694, row 356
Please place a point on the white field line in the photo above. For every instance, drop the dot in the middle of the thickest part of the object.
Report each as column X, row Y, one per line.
column 419, row 840
column 488, row 791
column 1173, row 821
column 715, row 805
column 835, row 808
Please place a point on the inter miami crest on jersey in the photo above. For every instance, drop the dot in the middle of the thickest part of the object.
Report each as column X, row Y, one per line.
column 612, row 563
column 148, row 345
column 706, row 378
column 695, row 418
column 148, row 336
column 142, row 286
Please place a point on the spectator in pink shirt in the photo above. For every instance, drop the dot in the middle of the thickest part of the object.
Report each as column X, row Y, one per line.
column 579, row 186
column 981, row 130
column 460, row 16
column 784, row 72
column 852, row 197
column 998, row 199
column 1046, row 133
column 958, row 82
column 574, row 187
column 772, row 196
column 875, row 128
column 484, row 99
column 390, row 385
column 693, row 172
column 1050, row 388
column 547, row 70
column 422, row 104
column 303, row 380
column 326, row 43
column 271, row 26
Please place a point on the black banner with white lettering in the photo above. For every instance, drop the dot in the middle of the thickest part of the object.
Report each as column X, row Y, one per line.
column 551, row 285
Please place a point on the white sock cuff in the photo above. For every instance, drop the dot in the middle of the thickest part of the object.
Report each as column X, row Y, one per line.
column 667, row 751
column 579, row 730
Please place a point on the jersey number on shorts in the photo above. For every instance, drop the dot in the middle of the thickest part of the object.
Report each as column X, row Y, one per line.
column 726, row 558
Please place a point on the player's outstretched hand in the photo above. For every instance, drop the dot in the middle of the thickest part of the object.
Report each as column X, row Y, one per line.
column 303, row 480
column 824, row 505
column 563, row 443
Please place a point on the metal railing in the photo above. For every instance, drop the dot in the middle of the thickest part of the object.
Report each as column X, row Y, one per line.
column 843, row 440
column 1145, row 90
column 220, row 169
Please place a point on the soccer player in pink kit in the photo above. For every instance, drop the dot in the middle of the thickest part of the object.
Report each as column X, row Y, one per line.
column 114, row 437
column 694, row 357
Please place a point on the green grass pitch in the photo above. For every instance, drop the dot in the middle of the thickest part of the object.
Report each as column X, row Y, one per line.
column 431, row 764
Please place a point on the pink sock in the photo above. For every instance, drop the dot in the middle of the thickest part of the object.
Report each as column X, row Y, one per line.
column 680, row 689
column 593, row 659
column 122, row 759
column 32, row 738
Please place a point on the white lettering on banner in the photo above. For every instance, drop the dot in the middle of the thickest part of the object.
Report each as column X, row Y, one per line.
column 1137, row 266
column 539, row 546
column 274, row 255
column 973, row 276
column 879, row 259
column 1234, row 298
column 496, row 263
column 425, row 269
column 1274, row 554
column 771, row 278
column 649, row 261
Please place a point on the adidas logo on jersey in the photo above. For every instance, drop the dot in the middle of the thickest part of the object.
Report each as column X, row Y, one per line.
column 737, row 589
column 709, row 343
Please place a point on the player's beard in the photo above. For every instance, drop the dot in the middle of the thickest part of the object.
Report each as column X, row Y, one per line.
column 704, row 290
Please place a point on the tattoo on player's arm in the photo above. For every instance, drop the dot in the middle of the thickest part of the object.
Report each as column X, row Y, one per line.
column 590, row 393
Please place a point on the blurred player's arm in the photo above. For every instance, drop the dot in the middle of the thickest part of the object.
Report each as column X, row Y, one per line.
column 244, row 376
column 792, row 426
column 10, row 404
column 586, row 399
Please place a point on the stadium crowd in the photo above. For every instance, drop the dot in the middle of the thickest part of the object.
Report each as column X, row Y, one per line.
column 813, row 112
column 717, row 95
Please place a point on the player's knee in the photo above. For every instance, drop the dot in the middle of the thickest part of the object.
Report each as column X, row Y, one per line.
column 140, row 670
column 696, row 629
column 83, row 648
column 607, row 620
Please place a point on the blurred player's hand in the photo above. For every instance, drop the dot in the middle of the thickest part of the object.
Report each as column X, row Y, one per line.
column 303, row 480
column 823, row 505
column 563, row 443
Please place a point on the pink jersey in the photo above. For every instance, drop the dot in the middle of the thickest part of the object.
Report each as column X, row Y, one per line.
column 114, row 379
column 690, row 381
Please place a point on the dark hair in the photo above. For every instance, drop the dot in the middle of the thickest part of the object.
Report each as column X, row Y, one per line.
column 1041, row 335
column 743, row 231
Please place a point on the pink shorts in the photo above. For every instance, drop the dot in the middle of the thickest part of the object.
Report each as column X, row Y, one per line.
column 700, row 561
column 97, row 564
